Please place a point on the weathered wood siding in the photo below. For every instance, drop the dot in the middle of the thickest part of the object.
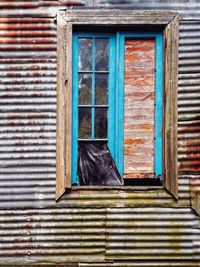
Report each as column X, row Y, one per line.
column 112, row 228
column 139, row 108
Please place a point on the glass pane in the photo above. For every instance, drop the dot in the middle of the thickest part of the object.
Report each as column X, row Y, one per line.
column 101, row 89
column 101, row 123
column 85, row 89
column 101, row 55
column 85, row 54
column 85, row 124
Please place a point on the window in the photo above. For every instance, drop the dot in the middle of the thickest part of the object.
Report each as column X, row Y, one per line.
column 102, row 105
column 93, row 92
column 88, row 115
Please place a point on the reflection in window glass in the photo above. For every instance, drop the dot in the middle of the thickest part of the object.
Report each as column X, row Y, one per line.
column 101, row 89
column 101, row 54
column 85, row 89
column 85, row 124
column 101, row 123
column 85, row 54
column 92, row 87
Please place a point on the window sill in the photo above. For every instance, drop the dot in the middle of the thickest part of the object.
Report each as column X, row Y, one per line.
column 116, row 188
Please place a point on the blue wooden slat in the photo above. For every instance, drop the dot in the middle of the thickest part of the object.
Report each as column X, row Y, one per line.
column 158, row 106
column 74, row 108
column 111, row 95
column 119, row 143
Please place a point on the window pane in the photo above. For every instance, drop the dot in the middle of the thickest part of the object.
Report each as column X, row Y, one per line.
column 85, row 89
column 101, row 123
column 101, row 89
column 85, row 54
column 85, row 124
column 101, row 55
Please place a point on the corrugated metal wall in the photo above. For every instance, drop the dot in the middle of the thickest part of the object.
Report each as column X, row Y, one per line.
column 122, row 228
column 189, row 97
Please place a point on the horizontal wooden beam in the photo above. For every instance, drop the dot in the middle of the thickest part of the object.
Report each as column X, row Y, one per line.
column 118, row 17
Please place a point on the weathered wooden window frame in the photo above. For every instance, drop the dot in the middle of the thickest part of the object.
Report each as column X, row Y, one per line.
column 113, row 18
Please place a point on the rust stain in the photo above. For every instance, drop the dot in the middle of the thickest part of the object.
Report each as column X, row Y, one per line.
column 189, row 163
column 134, row 141
column 138, row 71
column 189, row 170
column 19, row 143
column 28, row 116
column 37, row 116
column 36, row 94
column 146, row 127
column 140, row 59
column 189, row 129
column 131, row 150
column 21, row 123
column 15, row 116
column 11, row 124
column 189, row 149
column 28, row 47
column 139, row 128
column 27, row 60
column 27, row 226
column 25, row 26
column 25, row 20
column 24, row 33
column 140, row 81
column 189, row 143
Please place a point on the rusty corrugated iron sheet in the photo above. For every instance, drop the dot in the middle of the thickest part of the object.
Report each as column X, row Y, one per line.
column 189, row 108
column 99, row 235
column 189, row 9
column 189, row 98
column 36, row 4
column 112, row 228
column 28, row 107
